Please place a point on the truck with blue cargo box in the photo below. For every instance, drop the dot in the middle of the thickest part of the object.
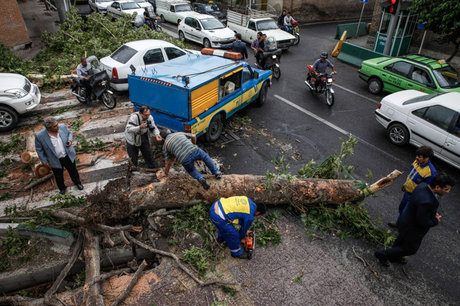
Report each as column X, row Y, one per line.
column 196, row 93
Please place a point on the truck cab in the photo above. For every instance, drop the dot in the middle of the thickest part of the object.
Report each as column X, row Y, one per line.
column 196, row 93
column 174, row 11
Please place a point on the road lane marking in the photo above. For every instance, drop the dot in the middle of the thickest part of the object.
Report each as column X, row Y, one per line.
column 357, row 94
column 335, row 127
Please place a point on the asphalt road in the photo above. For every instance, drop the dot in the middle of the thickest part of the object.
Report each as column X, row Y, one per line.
column 303, row 120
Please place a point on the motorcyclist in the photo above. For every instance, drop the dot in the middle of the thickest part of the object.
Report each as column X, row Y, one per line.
column 321, row 65
column 84, row 72
column 260, row 51
column 281, row 19
column 288, row 22
column 147, row 19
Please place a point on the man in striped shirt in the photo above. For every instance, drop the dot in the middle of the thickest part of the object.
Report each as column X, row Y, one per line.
column 183, row 147
column 421, row 171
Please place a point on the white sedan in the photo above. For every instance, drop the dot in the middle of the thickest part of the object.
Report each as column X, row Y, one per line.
column 141, row 54
column 120, row 8
column 205, row 30
column 418, row 118
column 17, row 96
column 99, row 6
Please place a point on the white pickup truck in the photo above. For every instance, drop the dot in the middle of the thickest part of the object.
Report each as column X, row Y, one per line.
column 258, row 21
column 174, row 10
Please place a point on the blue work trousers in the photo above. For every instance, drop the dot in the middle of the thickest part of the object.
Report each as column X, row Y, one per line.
column 226, row 231
column 189, row 163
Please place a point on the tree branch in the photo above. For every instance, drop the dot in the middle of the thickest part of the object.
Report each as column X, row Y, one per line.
column 131, row 284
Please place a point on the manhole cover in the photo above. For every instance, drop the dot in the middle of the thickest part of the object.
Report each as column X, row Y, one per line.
column 227, row 137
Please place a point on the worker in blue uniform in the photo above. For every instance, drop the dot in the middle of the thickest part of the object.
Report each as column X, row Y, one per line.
column 228, row 212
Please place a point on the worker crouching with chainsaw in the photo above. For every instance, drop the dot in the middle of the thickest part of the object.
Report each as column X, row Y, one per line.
column 226, row 213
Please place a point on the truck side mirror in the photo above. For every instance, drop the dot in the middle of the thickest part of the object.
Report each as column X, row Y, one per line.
column 255, row 75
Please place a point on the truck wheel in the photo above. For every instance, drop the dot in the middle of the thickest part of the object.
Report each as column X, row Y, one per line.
column 8, row 119
column 262, row 95
column 181, row 36
column 206, row 43
column 162, row 18
column 215, row 128
column 375, row 86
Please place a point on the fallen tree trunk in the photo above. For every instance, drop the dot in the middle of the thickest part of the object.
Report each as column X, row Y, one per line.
column 92, row 269
column 182, row 190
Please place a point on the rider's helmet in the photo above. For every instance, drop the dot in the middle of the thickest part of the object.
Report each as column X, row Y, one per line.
column 323, row 54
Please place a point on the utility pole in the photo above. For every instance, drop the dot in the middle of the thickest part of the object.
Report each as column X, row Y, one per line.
column 391, row 30
column 62, row 6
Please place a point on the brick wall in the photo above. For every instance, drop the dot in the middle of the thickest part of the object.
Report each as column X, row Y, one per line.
column 14, row 32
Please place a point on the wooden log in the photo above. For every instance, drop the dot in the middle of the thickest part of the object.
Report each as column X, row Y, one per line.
column 181, row 190
column 92, row 269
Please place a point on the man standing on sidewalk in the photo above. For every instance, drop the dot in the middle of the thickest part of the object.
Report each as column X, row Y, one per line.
column 54, row 148
column 183, row 147
column 421, row 171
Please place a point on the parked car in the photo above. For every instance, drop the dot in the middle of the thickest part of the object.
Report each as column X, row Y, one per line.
column 418, row 118
column 141, row 54
column 174, row 11
column 99, row 6
column 119, row 8
column 210, row 9
column 416, row 72
column 205, row 30
column 145, row 4
column 17, row 96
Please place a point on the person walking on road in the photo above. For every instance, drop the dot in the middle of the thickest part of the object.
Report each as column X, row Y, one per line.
column 227, row 212
column 255, row 43
column 416, row 219
column 421, row 171
column 54, row 148
column 237, row 46
column 183, row 147
column 138, row 129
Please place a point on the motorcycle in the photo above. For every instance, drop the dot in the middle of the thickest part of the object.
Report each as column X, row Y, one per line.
column 271, row 57
column 322, row 84
column 294, row 30
column 153, row 24
column 100, row 89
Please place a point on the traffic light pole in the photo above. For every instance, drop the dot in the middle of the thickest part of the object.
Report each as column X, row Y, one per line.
column 391, row 30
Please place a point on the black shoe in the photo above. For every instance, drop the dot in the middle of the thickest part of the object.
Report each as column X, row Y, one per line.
column 392, row 225
column 204, row 184
column 382, row 259
column 218, row 175
column 62, row 191
column 401, row 261
column 80, row 186
column 245, row 255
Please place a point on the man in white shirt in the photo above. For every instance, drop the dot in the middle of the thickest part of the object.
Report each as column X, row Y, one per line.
column 288, row 22
column 84, row 71
column 54, row 148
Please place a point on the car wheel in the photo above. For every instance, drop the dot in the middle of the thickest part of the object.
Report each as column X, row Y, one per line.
column 375, row 86
column 162, row 18
column 8, row 119
column 181, row 36
column 262, row 95
column 215, row 128
column 206, row 43
column 398, row 134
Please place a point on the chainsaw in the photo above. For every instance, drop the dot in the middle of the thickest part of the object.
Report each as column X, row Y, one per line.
column 249, row 243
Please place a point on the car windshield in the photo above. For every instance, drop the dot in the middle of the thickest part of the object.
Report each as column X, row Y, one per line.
column 211, row 24
column 183, row 8
column 266, row 25
column 129, row 6
column 123, row 54
column 447, row 77
column 423, row 98
column 211, row 8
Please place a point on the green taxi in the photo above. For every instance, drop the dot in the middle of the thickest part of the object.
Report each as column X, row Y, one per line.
column 415, row 72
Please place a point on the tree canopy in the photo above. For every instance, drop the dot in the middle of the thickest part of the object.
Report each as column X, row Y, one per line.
column 441, row 17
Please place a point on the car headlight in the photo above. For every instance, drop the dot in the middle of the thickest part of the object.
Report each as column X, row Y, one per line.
column 18, row 92
column 292, row 40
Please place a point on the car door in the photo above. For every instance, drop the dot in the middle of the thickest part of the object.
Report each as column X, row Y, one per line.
column 395, row 76
column 429, row 126
column 249, row 85
column 249, row 32
column 153, row 56
column 189, row 30
column 201, row 33
column 420, row 79
column 451, row 148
